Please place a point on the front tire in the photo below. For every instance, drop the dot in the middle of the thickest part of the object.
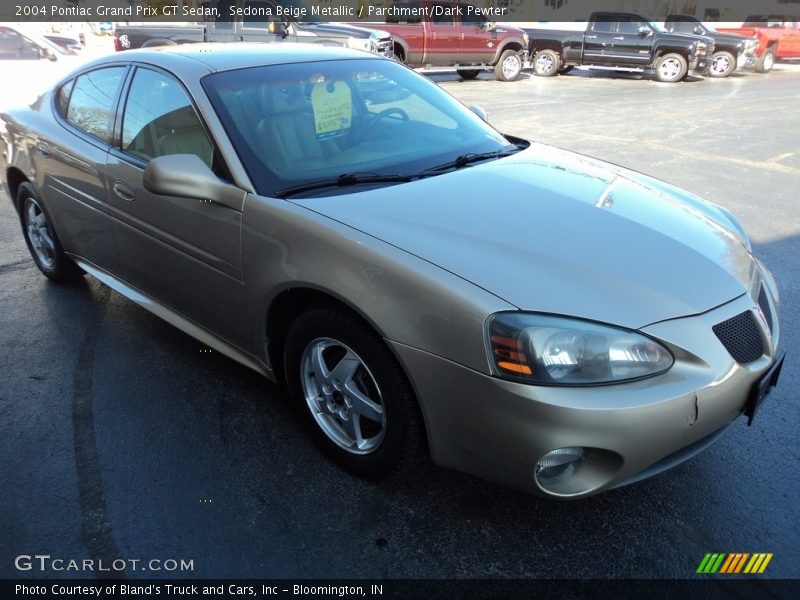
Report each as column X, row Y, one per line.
column 546, row 63
column 509, row 67
column 671, row 68
column 41, row 238
column 723, row 63
column 766, row 61
column 353, row 395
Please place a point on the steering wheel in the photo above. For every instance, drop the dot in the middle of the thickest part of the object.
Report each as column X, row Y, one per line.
column 377, row 117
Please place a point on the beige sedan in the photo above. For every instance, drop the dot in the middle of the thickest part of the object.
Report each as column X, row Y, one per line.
column 422, row 283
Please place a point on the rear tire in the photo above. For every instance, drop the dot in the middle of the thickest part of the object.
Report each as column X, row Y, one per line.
column 723, row 63
column 41, row 238
column 546, row 63
column 766, row 61
column 671, row 68
column 468, row 74
column 509, row 67
column 353, row 395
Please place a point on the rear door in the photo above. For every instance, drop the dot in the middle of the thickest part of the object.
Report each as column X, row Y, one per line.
column 185, row 253
column 598, row 41
column 72, row 159
column 444, row 37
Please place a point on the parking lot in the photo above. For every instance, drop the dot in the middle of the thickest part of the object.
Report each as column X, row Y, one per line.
column 123, row 440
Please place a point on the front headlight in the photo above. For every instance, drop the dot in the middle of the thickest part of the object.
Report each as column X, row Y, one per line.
column 550, row 350
column 526, row 39
column 701, row 49
column 362, row 44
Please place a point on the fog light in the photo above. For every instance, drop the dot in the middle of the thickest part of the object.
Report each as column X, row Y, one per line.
column 558, row 466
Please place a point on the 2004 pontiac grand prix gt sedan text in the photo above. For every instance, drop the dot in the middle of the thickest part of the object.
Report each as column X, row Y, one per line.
column 421, row 282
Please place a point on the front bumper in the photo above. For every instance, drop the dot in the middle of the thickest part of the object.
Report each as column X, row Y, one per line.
column 699, row 63
column 498, row 430
column 746, row 61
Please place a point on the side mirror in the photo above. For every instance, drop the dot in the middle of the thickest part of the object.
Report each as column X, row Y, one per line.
column 645, row 32
column 48, row 54
column 186, row 176
column 480, row 112
column 699, row 30
column 487, row 25
column 281, row 27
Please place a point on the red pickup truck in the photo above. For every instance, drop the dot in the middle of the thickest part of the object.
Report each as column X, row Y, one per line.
column 446, row 33
column 778, row 37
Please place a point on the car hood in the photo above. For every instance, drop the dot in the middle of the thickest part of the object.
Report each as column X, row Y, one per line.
column 685, row 37
column 552, row 231
column 727, row 38
column 342, row 30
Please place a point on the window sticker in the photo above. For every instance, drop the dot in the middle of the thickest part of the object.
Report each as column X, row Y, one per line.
column 333, row 108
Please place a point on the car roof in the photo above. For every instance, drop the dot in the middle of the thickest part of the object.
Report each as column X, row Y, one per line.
column 218, row 56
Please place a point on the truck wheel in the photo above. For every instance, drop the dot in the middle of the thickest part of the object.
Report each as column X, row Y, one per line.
column 723, row 63
column 671, row 68
column 766, row 61
column 468, row 73
column 565, row 70
column 509, row 66
column 545, row 63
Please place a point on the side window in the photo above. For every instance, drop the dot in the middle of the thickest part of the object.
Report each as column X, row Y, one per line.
column 630, row 26
column 91, row 102
column 62, row 97
column 602, row 26
column 441, row 17
column 159, row 119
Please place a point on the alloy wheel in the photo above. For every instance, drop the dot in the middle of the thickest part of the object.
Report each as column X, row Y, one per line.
column 343, row 396
column 39, row 233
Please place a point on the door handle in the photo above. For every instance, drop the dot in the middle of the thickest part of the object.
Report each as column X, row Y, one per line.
column 591, row 37
column 123, row 191
column 44, row 149
column 619, row 37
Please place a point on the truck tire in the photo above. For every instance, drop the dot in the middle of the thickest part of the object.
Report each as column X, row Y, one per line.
column 468, row 73
column 546, row 63
column 671, row 68
column 766, row 61
column 723, row 63
column 509, row 67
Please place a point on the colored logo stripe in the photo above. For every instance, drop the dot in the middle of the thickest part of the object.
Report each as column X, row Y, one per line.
column 723, row 563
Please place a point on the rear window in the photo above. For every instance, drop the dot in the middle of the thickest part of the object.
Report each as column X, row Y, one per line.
column 92, row 101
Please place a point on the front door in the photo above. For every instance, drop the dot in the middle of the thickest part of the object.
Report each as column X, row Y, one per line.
column 185, row 253
column 632, row 42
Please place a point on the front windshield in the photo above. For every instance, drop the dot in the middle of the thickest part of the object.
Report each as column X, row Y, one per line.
column 657, row 27
column 295, row 124
column 708, row 27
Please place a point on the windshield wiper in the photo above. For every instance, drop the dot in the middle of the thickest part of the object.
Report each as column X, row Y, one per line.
column 473, row 157
column 344, row 180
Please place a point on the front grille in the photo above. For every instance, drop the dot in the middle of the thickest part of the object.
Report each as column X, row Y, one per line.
column 386, row 47
column 763, row 304
column 741, row 337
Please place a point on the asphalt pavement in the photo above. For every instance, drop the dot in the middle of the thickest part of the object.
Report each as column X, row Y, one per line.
column 121, row 439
